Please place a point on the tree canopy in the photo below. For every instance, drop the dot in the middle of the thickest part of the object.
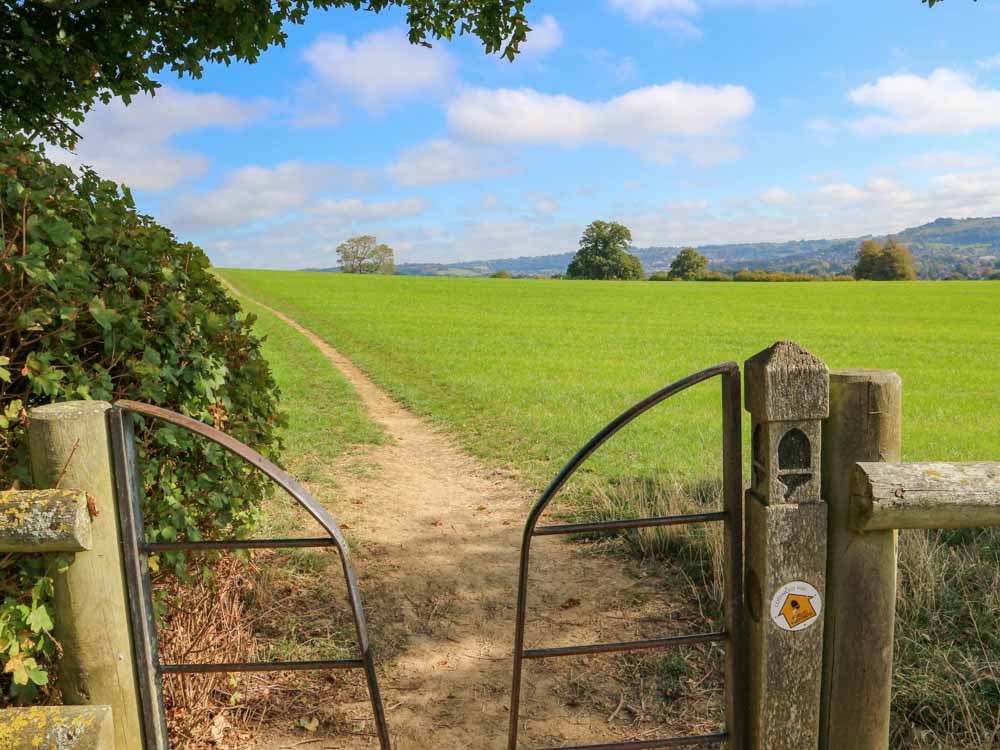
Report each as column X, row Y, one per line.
column 364, row 254
column 602, row 254
column 891, row 261
column 59, row 57
column 688, row 265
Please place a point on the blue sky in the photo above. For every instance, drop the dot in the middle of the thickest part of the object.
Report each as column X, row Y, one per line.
column 691, row 121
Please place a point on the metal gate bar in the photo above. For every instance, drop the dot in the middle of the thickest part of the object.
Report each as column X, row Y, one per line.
column 731, row 516
column 137, row 551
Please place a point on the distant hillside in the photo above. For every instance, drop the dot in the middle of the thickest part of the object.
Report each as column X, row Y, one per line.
column 943, row 248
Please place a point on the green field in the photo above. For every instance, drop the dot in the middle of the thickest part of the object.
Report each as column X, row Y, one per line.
column 524, row 371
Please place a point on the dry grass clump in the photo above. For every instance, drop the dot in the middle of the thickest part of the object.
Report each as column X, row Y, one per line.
column 269, row 609
column 947, row 654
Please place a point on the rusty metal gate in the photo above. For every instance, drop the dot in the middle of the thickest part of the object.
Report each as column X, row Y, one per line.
column 137, row 551
column 731, row 516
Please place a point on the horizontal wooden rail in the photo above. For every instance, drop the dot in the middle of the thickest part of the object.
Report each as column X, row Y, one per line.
column 44, row 521
column 928, row 495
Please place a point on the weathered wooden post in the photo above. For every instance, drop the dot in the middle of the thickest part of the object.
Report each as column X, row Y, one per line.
column 70, row 448
column 787, row 397
column 865, row 424
column 57, row 728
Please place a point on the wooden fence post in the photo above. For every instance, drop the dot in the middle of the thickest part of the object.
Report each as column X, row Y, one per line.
column 70, row 448
column 787, row 397
column 865, row 424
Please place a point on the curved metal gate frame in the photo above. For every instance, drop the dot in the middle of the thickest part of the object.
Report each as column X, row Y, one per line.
column 732, row 518
column 137, row 550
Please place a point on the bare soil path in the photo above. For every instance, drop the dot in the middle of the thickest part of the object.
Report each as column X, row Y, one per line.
column 436, row 536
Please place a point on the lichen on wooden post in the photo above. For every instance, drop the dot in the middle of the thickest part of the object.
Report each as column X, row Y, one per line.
column 44, row 521
column 70, row 447
column 928, row 495
column 57, row 728
column 787, row 397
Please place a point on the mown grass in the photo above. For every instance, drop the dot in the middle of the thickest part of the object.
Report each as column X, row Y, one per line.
column 523, row 372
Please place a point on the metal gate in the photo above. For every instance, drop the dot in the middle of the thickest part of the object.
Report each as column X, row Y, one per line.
column 731, row 516
column 137, row 551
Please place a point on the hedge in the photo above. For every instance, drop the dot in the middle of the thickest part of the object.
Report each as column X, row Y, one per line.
column 97, row 301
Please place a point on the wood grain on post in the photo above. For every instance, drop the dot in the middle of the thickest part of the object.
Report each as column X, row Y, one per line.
column 865, row 424
column 787, row 397
column 57, row 728
column 929, row 495
column 44, row 521
column 70, row 447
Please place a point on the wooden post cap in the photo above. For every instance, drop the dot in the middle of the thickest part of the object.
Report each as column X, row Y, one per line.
column 44, row 521
column 785, row 383
column 57, row 728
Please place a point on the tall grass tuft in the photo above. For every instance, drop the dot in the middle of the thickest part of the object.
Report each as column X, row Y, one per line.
column 696, row 550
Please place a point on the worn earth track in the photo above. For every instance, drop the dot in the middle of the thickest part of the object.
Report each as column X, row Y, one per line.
column 436, row 536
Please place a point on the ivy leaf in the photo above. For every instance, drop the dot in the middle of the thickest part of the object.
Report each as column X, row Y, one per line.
column 39, row 620
column 104, row 317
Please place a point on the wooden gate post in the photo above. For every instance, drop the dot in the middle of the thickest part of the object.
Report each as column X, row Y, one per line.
column 70, row 448
column 865, row 424
column 787, row 391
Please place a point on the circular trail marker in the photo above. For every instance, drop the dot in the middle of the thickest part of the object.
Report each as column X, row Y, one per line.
column 796, row 606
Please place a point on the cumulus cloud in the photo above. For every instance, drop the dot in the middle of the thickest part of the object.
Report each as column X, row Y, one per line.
column 678, row 15
column 441, row 161
column 132, row 144
column 776, row 196
column 656, row 121
column 545, row 35
column 380, row 68
column 355, row 209
column 256, row 193
column 990, row 63
column 944, row 103
column 947, row 160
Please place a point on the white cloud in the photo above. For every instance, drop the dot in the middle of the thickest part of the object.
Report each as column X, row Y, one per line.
column 132, row 144
column 257, row 193
column 657, row 121
column 677, row 15
column 947, row 160
column 990, row 63
column 545, row 205
column 946, row 103
column 776, row 196
column 545, row 35
column 355, row 209
column 381, row 67
column 621, row 68
column 441, row 161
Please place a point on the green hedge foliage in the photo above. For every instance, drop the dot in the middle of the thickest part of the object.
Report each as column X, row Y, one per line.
column 97, row 301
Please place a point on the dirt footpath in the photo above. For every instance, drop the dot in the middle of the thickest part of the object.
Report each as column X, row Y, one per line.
column 436, row 536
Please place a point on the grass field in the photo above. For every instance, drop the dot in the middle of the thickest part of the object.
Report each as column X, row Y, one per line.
column 524, row 371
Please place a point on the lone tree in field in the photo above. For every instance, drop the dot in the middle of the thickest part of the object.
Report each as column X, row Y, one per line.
column 58, row 57
column 891, row 261
column 688, row 265
column 602, row 254
column 365, row 255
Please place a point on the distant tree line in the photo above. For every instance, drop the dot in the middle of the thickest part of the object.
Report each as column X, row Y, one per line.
column 604, row 255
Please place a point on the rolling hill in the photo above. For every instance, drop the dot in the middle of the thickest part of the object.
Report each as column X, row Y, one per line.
column 944, row 248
